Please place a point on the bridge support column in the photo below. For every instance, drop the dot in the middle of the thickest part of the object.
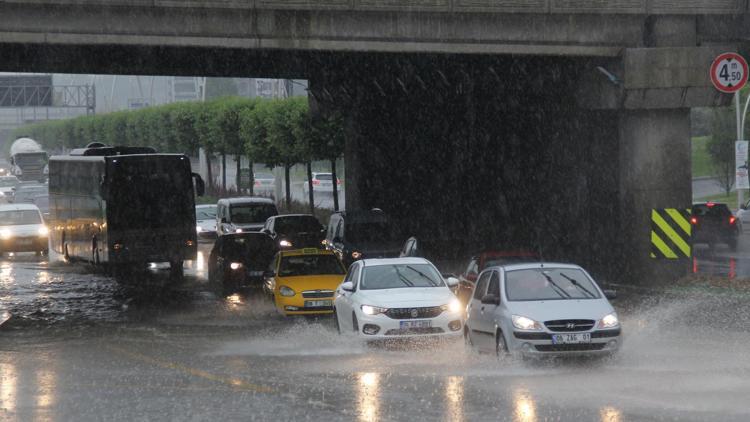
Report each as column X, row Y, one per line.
column 655, row 172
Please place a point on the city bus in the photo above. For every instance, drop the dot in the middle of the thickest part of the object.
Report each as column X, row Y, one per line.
column 123, row 207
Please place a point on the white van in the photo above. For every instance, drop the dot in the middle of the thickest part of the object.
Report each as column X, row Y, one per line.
column 247, row 214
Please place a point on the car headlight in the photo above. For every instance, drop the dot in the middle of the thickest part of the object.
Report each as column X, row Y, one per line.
column 237, row 266
column 523, row 323
column 453, row 307
column 373, row 310
column 285, row 244
column 356, row 255
column 286, row 291
column 238, row 230
column 43, row 231
column 5, row 234
column 609, row 321
column 198, row 229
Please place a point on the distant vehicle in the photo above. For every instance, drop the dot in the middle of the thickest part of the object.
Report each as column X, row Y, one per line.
column 205, row 220
column 126, row 206
column 22, row 229
column 355, row 235
column 28, row 160
column 302, row 282
column 397, row 298
column 541, row 309
column 322, row 182
column 265, row 184
column 7, row 185
column 239, row 260
column 712, row 223
column 246, row 214
column 295, row 231
column 25, row 193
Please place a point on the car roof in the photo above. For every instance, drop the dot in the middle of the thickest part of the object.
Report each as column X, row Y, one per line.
column 291, row 215
column 306, row 251
column 534, row 265
column 247, row 200
column 393, row 261
column 18, row 207
column 206, row 206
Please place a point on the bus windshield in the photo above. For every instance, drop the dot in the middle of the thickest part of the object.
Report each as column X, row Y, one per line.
column 154, row 193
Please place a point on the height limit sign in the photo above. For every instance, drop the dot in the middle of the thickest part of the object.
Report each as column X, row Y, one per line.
column 729, row 72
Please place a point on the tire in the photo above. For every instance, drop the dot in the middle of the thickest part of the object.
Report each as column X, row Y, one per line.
column 355, row 325
column 501, row 346
column 336, row 321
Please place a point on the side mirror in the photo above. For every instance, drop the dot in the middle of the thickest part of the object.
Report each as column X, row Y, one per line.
column 269, row 274
column 348, row 286
column 610, row 294
column 200, row 185
column 452, row 281
column 490, row 300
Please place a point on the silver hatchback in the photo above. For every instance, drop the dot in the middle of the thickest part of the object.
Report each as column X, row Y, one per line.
column 541, row 309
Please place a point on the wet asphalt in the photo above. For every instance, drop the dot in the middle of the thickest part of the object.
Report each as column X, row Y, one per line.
column 81, row 346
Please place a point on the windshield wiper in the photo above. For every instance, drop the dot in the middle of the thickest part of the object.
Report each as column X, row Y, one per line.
column 578, row 285
column 557, row 289
column 423, row 275
column 403, row 278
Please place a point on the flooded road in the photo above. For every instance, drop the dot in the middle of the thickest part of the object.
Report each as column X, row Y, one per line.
column 80, row 346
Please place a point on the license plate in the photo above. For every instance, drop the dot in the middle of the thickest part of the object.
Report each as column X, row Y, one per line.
column 571, row 338
column 416, row 324
column 318, row 303
column 255, row 273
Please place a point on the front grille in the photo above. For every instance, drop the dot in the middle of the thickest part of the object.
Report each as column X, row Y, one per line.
column 412, row 331
column 406, row 313
column 531, row 336
column 584, row 347
column 317, row 294
column 569, row 325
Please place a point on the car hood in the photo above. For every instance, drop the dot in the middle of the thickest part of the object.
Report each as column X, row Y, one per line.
column 311, row 282
column 207, row 224
column 23, row 230
column 548, row 310
column 253, row 227
column 407, row 297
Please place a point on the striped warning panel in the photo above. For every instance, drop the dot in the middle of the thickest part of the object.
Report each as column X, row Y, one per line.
column 670, row 233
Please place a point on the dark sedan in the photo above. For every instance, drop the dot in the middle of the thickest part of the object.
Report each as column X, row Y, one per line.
column 295, row 231
column 238, row 260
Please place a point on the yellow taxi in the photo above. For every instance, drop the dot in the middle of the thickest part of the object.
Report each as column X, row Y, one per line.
column 303, row 282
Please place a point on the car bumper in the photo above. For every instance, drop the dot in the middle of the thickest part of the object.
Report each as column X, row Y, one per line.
column 603, row 342
column 444, row 325
column 298, row 305
column 24, row 244
column 207, row 235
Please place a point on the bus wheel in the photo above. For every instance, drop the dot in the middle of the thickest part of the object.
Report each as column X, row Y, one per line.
column 176, row 271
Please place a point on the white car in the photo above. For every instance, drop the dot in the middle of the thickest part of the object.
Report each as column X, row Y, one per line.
column 322, row 182
column 541, row 309
column 22, row 229
column 265, row 184
column 397, row 298
column 205, row 219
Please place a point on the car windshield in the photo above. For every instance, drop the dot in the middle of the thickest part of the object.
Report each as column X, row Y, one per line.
column 549, row 284
column 252, row 213
column 400, row 275
column 205, row 213
column 303, row 224
column 299, row 265
column 19, row 217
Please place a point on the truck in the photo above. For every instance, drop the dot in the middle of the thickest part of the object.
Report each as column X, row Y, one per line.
column 28, row 161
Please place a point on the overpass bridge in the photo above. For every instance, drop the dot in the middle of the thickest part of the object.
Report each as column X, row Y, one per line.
column 545, row 123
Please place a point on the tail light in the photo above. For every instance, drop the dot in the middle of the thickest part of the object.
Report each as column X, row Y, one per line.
column 732, row 219
column 257, row 183
column 316, row 182
column 710, row 204
column 693, row 220
column 338, row 181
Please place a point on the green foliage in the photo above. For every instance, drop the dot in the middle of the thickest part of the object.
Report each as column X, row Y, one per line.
column 273, row 132
column 721, row 146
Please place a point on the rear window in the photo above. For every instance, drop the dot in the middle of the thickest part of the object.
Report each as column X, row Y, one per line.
column 717, row 210
column 297, row 225
column 252, row 213
column 324, row 176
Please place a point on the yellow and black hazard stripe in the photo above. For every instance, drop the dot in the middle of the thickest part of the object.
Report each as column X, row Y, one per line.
column 671, row 233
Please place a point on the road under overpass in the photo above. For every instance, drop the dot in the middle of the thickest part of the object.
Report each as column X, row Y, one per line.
column 555, row 125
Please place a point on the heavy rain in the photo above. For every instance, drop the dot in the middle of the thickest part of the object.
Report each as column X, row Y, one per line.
column 374, row 211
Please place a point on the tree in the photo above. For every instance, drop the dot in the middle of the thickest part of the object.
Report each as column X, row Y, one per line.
column 721, row 146
column 328, row 144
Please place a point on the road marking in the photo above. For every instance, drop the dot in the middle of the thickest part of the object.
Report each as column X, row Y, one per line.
column 232, row 382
